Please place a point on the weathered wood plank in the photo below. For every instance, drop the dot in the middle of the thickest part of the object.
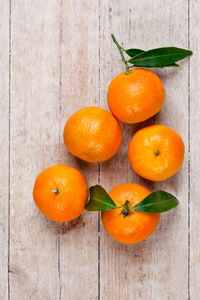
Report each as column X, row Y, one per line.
column 79, row 88
column 35, row 92
column 147, row 270
column 4, row 146
column 194, row 173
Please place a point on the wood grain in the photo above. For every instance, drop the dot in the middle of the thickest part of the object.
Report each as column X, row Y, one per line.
column 194, row 174
column 147, row 270
column 61, row 59
column 4, row 147
column 79, row 88
column 35, row 90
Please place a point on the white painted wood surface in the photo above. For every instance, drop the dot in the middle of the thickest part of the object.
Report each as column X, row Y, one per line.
column 148, row 270
column 61, row 59
column 34, row 136
column 79, row 88
column 194, row 174
column 4, row 148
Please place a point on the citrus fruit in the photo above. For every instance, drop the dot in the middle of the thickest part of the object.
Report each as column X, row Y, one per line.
column 135, row 97
column 60, row 192
column 92, row 134
column 125, row 224
column 156, row 152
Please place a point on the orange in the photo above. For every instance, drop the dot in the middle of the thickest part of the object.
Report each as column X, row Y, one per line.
column 135, row 97
column 127, row 225
column 92, row 134
column 60, row 192
column 156, row 152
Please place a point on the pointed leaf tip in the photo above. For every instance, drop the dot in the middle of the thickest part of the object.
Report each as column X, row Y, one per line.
column 160, row 57
column 157, row 202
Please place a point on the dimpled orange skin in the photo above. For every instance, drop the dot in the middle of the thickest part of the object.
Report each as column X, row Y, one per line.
column 135, row 97
column 72, row 194
column 92, row 134
column 152, row 140
column 135, row 227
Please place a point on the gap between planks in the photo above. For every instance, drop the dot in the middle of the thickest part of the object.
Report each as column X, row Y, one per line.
column 99, row 170
column 60, row 107
column 9, row 124
column 189, row 166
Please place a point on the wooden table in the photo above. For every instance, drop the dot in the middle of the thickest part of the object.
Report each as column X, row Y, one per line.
column 57, row 56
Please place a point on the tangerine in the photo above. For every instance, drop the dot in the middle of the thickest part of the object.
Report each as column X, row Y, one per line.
column 92, row 134
column 125, row 224
column 60, row 192
column 135, row 97
column 156, row 152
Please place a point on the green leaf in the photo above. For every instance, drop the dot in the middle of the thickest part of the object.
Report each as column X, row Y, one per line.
column 160, row 57
column 133, row 52
column 167, row 66
column 99, row 200
column 157, row 202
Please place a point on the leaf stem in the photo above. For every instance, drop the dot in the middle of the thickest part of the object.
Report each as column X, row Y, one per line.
column 122, row 205
column 121, row 53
